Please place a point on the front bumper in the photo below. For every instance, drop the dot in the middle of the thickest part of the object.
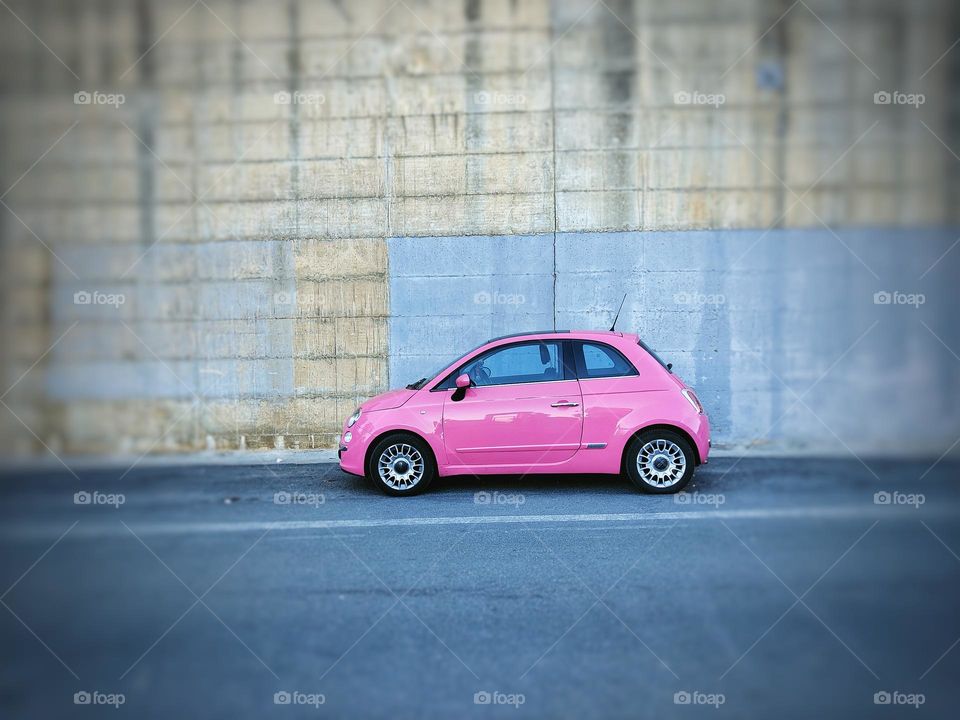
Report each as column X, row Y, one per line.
column 351, row 454
column 348, row 461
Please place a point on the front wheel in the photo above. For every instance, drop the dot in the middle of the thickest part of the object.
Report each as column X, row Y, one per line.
column 660, row 461
column 401, row 464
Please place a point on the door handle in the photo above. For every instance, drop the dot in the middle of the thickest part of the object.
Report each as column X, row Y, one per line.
column 565, row 404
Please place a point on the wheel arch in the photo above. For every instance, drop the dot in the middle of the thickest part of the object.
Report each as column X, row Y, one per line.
column 397, row 431
column 661, row 426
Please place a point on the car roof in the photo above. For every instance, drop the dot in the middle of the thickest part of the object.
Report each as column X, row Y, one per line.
column 535, row 333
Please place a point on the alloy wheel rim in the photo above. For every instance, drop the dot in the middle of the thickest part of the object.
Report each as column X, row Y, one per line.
column 661, row 463
column 401, row 466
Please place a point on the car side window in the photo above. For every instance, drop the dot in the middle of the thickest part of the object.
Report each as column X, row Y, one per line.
column 522, row 363
column 602, row 361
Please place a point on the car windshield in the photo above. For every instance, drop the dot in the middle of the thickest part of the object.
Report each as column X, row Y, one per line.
column 423, row 381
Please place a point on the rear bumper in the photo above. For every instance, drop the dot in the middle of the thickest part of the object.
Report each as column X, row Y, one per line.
column 701, row 436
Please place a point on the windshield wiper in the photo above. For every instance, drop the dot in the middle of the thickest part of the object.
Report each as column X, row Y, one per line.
column 417, row 385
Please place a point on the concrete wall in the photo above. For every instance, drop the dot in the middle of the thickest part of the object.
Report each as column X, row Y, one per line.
column 270, row 196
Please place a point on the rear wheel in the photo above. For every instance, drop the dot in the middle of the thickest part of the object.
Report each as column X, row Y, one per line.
column 401, row 464
column 660, row 461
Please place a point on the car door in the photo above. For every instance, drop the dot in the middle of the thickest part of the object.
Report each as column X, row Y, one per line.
column 524, row 410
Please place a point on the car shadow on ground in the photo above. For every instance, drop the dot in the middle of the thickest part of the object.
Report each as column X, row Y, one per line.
column 519, row 484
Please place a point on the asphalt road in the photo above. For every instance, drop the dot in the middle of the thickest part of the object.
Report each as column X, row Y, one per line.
column 779, row 588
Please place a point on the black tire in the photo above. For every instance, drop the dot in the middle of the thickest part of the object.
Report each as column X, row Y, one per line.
column 666, row 445
column 408, row 450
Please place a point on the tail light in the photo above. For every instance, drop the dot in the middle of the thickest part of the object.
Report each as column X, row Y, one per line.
column 692, row 398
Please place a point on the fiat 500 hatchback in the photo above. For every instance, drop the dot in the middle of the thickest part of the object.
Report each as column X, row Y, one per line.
column 550, row 402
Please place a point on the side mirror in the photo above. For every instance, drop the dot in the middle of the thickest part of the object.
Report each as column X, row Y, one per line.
column 463, row 382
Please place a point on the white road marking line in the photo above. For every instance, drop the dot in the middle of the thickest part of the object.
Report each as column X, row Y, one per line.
column 833, row 512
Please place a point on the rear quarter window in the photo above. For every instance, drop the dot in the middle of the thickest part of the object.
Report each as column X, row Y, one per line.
column 597, row 360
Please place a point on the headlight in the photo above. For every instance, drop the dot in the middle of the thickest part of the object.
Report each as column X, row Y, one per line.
column 351, row 421
column 347, row 437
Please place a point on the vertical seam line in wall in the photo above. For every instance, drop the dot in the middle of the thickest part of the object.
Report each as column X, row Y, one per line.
column 553, row 132
column 236, row 87
column 296, row 63
column 147, row 164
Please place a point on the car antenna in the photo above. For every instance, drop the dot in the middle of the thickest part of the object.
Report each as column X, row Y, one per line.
column 617, row 316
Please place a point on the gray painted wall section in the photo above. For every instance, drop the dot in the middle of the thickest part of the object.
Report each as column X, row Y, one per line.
column 778, row 330
column 450, row 294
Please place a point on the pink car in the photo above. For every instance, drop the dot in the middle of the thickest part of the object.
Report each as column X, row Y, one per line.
column 544, row 402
